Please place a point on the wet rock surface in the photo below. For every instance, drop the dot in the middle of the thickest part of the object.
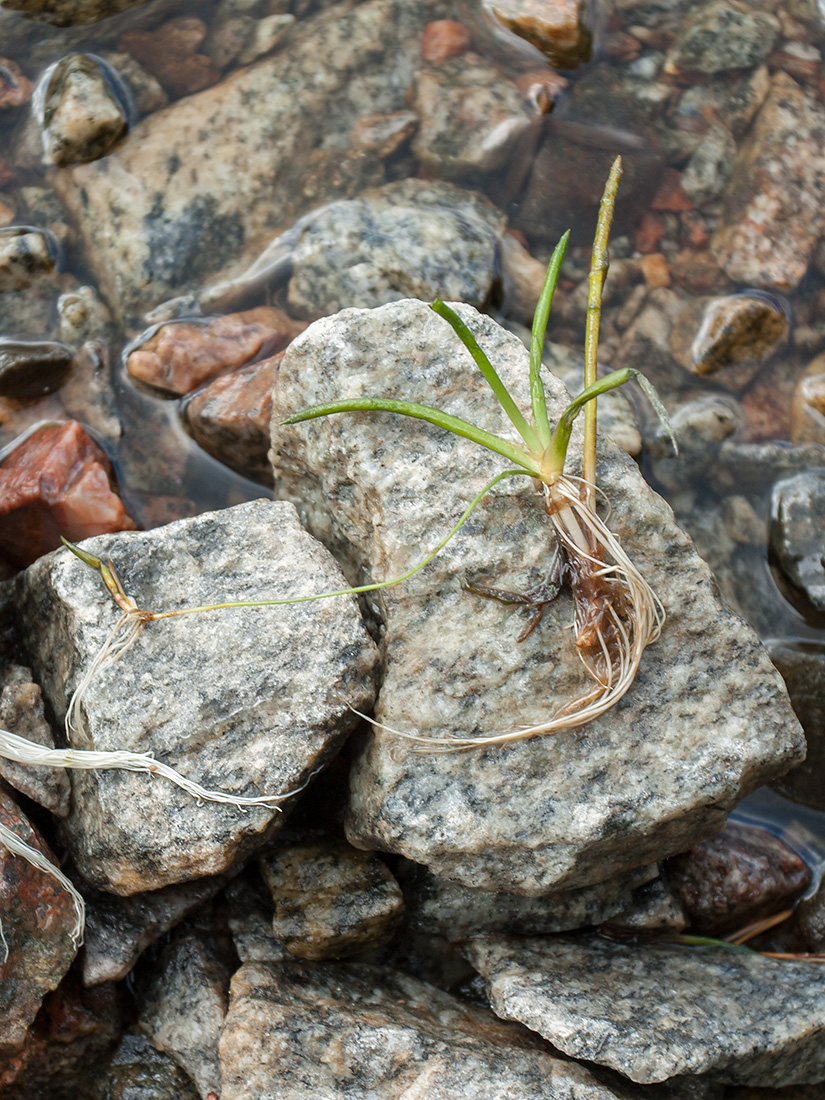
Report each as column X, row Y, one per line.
column 257, row 725
column 25, row 255
column 797, row 539
column 331, row 900
column 38, row 921
column 57, row 482
column 137, row 1071
column 33, row 368
column 741, row 874
column 656, row 1011
column 447, row 674
column 82, row 117
column 803, row 669
column 412, row 239
column 556, row 27
column 377, row 1033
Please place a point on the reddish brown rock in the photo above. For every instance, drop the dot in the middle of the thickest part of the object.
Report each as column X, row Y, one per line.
column 670, row 195
column 442, row 39
column 57, row 482
column 766, row 404
column 169, row 54
column 230, row 417
column 698, row 272
column 742, row 874
column 649, row 232
column 655, row 269
column 181, row 356
column 38, row 918
column 15, row 88
column 74, row 1029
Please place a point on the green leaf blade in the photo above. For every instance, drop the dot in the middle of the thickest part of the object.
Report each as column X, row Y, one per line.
column 540, row 318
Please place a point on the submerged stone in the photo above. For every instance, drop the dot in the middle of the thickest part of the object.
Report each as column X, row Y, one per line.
column 798, row 532
column 249, row 701
column 706, row 720
column 81, row 116
column 654, row 1011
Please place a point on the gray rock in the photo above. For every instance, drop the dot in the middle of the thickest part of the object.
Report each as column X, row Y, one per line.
column 456, row 912
column 118, row 930
column 198, row 180
column 146, row 93
column 412, row 239
column 356, row 1032
column 21, row 711
column 471, row 117
column 33, row 368
column 80, row 113
column 183, row 1008
column 710, row 166
column 809, row 920
column 330, row 899
column 798, row 532
column 137, row 1071
column 259, row 723
column 26, row 254
column 250, row 921
column 88, row 395
column 772, row 214
column 563, row 811
column 654, row 908
column 802, row 665
column 723, row 35
column 744, row 466
column 656, row 1011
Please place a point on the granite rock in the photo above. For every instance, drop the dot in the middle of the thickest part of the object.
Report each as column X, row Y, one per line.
column 38, row 919
column 331, row 900
column 656, row 1011
column 258, row 724
column 798, row 533
column 651, row 776
column 654, row 908
column 198, row 180
column 719, row 35
column 349, row 1030
column 471, row 117
column 445, row 908
column 136, row 1071
column 250, row 921
column 26, row 255
column 413, row 238
column 21, row 711
column 802, row 665
column 557, row 27
column 183, row 1008
column 81, row 113
column 708, row 170
column 740, row 875
column 773, row 210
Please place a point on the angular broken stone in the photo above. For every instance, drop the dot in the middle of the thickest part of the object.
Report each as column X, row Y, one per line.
column 446, row 908
column 21, row 711
column 200, row 179
column 299, row 1031
column 773, row 213
column 651, row 776
column 654, row 908
column 718, row 36
column 556, row 27
column 653, row 1011
column 802, row 664
column 250, row 701
column 414, row 238
column 330, row 899
column 136, row 1071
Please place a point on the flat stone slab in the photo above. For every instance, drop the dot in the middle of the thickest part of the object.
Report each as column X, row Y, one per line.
column 354, row 1032
column 706, row 720
column 250, row 701
column 654, row 1011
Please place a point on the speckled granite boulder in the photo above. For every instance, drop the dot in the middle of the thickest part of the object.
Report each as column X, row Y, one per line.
column 448, row 909
column 773, row 210
column 706, row 720
column 199, row 179
column 655, row 1011
column 378, row 1034
column 183, row 1008
column 331, row 900
column 411, row 239
column 718, row 36
column 250, row 701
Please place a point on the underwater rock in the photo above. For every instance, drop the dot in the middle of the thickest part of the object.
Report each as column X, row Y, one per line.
column 471, row 117
column 182, row 355
column 136, row 1071
column 443, row 39
column 721, row 35
column 80, row 113
column 169, row 54
column 414, row 238
column 802, row 665
column 207, row 175
column 26, row 254
column 654, row 1011
column 798, row 532
column 303, row 1031
column 808, row 404
column 445, row 908
column 556, row 27
column 56, row 482
column 183, row 1008
column 741, row 874
column 773, row 212
column 15, row 88
column 30, row 368
column 383, row 134
column 250, row 701
column 38, row 919
column 21, row 711
column 331, row 900
column 230, row 417
column 647, row 779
